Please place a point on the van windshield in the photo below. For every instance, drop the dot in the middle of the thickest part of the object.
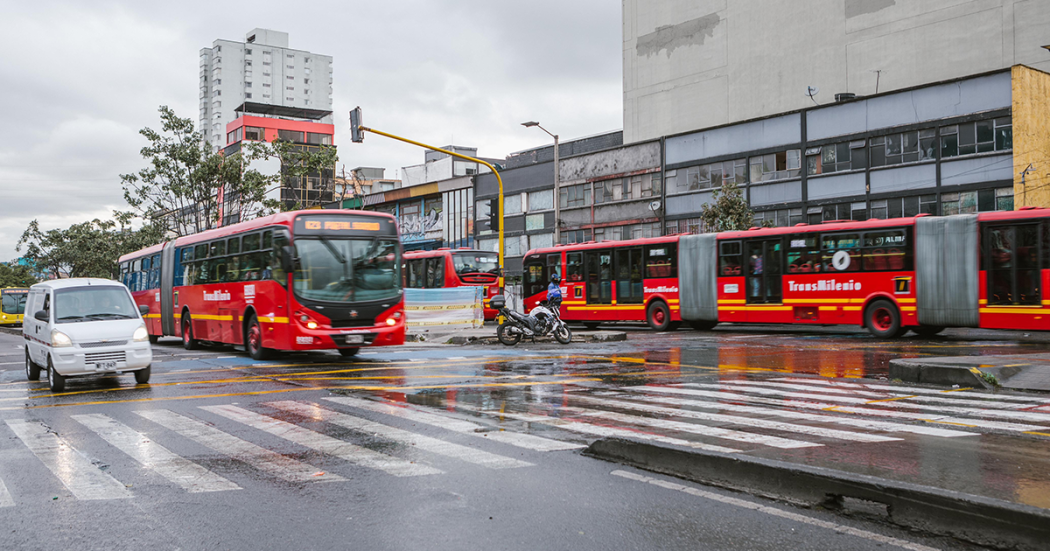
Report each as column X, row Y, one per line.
column 93, row 304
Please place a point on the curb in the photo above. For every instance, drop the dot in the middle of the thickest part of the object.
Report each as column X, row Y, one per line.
column 976, row 519
column 918, row 371
column 11, row 331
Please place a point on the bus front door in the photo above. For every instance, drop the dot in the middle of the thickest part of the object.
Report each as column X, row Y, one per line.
column 599, row 277
column 764, row 259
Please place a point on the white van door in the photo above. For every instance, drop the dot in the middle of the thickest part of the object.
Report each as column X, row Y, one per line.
column 39, row 332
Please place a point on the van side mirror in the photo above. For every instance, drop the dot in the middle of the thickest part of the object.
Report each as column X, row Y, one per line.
column 143, row 309
column 41, row 315
column 287, row 259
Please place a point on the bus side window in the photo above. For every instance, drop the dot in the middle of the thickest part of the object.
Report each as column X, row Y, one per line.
column 661, row 261
column 574, row 267
column 155, row 272
column 729, row 260
column 435, row 278
column 803, row 254
column 554, row 264
column 535, row 282
column 843, row 242
column 887, row 250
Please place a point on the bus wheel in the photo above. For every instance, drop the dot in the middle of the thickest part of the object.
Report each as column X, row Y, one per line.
column 153, row 339
column 703, row 325
column 591, row 325
column 926, row 330
column 32, row 370
column 253, row 341
column 188, row 342
column 884, row 320
column 349, row 352
column 659, row 316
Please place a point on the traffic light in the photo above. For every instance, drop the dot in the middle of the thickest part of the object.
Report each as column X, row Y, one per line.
column 356, row 135
column 494, row 219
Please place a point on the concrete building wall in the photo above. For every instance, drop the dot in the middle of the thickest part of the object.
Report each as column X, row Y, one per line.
column 690, row 64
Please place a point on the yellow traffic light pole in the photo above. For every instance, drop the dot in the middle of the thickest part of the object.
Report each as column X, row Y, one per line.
column 468, row 158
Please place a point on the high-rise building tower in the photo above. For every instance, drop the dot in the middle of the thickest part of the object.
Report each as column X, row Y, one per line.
column 262, row 76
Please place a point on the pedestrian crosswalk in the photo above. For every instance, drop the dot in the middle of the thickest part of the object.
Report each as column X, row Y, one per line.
column 331, row 440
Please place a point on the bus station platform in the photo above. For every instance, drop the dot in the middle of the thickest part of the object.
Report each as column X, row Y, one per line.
column 1026, row 372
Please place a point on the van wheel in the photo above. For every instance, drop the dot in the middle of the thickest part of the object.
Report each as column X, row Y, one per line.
column 55, row 380
column 884, row 320
column 32, row 370
column 142, row 375
column 188, row 342
column 253, row 342
column 659, row 316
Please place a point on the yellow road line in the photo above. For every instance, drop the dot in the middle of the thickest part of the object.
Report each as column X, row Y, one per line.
column 891, row 399
column 948, row 423
column 957, row 389
column 1036, row 433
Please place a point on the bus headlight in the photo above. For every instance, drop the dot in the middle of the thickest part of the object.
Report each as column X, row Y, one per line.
column 311, row 325
column 60, row 339
column 140, row 334
column 391, row 321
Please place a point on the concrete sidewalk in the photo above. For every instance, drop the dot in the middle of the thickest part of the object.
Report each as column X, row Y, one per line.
column 1014, row 372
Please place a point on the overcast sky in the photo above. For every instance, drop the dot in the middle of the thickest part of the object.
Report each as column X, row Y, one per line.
column 80, row 79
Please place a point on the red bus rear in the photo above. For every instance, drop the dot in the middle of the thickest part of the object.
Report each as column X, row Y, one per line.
column 634, row 280
column 453, row 268
column 303, row 280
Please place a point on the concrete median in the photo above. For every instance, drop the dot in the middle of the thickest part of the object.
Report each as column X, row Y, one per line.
column 980, row 520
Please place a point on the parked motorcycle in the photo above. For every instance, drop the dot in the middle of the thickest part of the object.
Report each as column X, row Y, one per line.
column 544, row 319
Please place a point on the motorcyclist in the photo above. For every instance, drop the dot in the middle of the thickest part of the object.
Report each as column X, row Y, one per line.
column 554, row 291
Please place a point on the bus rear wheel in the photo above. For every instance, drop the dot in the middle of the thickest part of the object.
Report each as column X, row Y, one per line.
column 659, row 316
column 253, row 341
column 188, row 342
column 703, row 325
column 884, row 320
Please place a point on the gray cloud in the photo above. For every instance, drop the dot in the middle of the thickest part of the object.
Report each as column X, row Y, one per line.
column 82, row 79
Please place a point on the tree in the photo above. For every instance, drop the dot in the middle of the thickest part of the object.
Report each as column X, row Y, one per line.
column 16, row 276
column 179, row 190
column 316, row 164
column 728, row 212
column 88, row 249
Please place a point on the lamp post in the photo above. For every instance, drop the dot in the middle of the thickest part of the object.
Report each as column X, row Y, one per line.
column 557, row 203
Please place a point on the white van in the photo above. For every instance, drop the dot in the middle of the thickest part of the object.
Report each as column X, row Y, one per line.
column 84, row 326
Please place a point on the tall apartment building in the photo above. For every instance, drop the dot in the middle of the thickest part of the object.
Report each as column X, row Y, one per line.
column 261, row 76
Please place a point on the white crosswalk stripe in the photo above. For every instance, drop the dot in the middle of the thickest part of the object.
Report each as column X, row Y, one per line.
column 190, row 476
column 5, row 496
column 323, row 443
column 73, row 469
column 888, row 396
column 895, row 404
column 527, row 441
column 603, row 431
column 739, row 420
column 787, row 414
column 918, row 390
column 261, row 458
column 433, row 445
column 692, row 428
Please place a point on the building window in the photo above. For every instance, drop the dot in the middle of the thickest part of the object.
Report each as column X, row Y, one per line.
column 318, row 139
column 266, row 62
column 512, row 204
column 977, row 137
column 253, row 133
column 248, row 95
column 306, row 81
column 290, row 136
column 290, row 67
column 248, row 51
column 234, row 136
column 688, row 225
column 778, row 218
column 534, row 222
column 541, row 200
column 575, row 196
column 906, row 147
column 836, row 158
column 541, row 241
column 609, row 190
column 306, row 59
column 289, row 99
column 575, row 236
column 1004, row 198
column 706, row 176
column 292, row 88
column 776, row 166
column 266, row 85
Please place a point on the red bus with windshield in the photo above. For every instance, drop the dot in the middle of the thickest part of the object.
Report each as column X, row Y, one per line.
column 453, row 268
column 923, row 274
column 634, row 280
column 305, row 280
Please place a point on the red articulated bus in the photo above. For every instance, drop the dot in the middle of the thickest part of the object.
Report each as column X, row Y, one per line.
column 305, row 280
column 634, row 280
column 924, row 274
column 453, row 268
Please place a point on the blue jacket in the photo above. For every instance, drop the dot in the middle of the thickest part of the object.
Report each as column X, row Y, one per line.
column 553, row 291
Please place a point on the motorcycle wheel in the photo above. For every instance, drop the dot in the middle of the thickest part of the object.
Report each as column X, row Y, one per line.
column 506, row 337
column 563, row 334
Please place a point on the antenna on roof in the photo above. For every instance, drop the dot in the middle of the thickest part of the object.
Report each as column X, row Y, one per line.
column 812, row 91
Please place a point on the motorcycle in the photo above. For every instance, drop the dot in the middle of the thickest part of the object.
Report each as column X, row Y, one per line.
column 544, row 319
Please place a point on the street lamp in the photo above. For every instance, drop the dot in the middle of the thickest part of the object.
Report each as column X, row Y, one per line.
column 557, row 206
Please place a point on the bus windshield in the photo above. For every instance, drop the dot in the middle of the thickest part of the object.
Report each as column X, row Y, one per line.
column 13, row 302
column 475, row 263
column 347, row 270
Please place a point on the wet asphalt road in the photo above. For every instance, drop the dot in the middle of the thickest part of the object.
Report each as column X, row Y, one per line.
column 477, row 447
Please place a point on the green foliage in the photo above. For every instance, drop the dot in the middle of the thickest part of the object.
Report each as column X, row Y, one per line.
column 728, row 212
column 88, row 249
column 300, row 161
column 16, row 276
column 178, row 190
